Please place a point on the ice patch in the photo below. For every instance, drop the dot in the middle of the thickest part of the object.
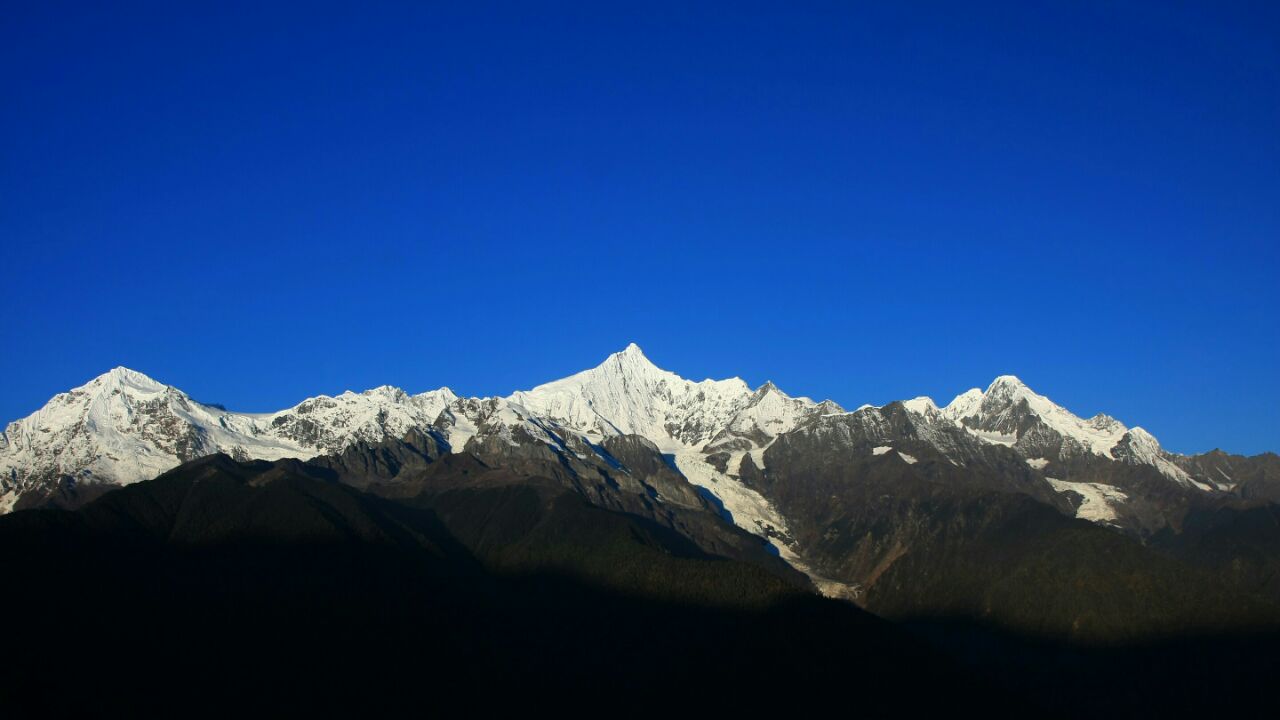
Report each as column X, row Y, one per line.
column 1037, row 463
column 994, row 438
column 907, row 458
column 1098, row 502
column 881, row 450
column 750, row 510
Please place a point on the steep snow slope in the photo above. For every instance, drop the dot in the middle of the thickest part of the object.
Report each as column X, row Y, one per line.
column 628, row 394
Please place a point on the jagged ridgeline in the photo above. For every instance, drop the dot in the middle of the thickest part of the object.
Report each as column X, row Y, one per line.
column 741, row 449
column 124, row 427
column 1001, row 514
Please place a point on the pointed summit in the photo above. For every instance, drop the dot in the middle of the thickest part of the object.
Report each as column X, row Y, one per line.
column 1139, row 447
column 1005, row 412
column 388, row 392
column 965, row 404
column 631, row 355
column 1009, row 383
column 922, row 405
column 122, row 377
column 628, row 394
column 444, row 392
column 1140, row 435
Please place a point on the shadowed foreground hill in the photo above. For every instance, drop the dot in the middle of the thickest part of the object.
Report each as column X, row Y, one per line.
column 253, row 588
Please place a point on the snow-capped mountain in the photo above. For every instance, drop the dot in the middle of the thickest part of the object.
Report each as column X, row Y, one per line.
column 1010, row 413
column 123, row 427
column 628, row 394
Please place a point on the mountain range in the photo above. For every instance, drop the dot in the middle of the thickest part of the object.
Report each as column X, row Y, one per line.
column 627, row 518
column 732, row 444
column 124, row 427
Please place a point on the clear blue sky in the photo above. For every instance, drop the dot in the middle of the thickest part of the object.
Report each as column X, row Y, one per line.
column 858, row 201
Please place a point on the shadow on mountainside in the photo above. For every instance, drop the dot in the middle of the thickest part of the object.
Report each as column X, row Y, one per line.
column 1220, row 674
column 254, row 588
column 249, row 589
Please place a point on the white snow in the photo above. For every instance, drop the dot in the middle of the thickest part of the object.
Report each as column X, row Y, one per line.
column 123, row 427
column 767, row 413
column 995, row 438
column 750, row 510
column 1098, row 502
column 1096, row 435
column 979, row 412
column 1145, row 450
column 965, row 404
column 921, row 405
column 628, row 394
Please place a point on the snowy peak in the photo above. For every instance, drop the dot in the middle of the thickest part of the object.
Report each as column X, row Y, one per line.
column 389, row 393
column 767, row 388
column 1139, row 447
column 489, row 421
column 632, row 350
column 1010, row 413
column 628, row 370
column 123, row 378
column 110, row 400
column 325, row 424
column 1107, row 423
column 434, row 401
column 965, row 404
column 1007, row 391
column 767, row 414
column 630, row 359
column 124, row 426
column 1007, row 384
column 922, row 405
column 628, row 394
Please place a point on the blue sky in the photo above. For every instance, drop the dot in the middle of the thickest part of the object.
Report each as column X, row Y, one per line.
column 865, row 203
